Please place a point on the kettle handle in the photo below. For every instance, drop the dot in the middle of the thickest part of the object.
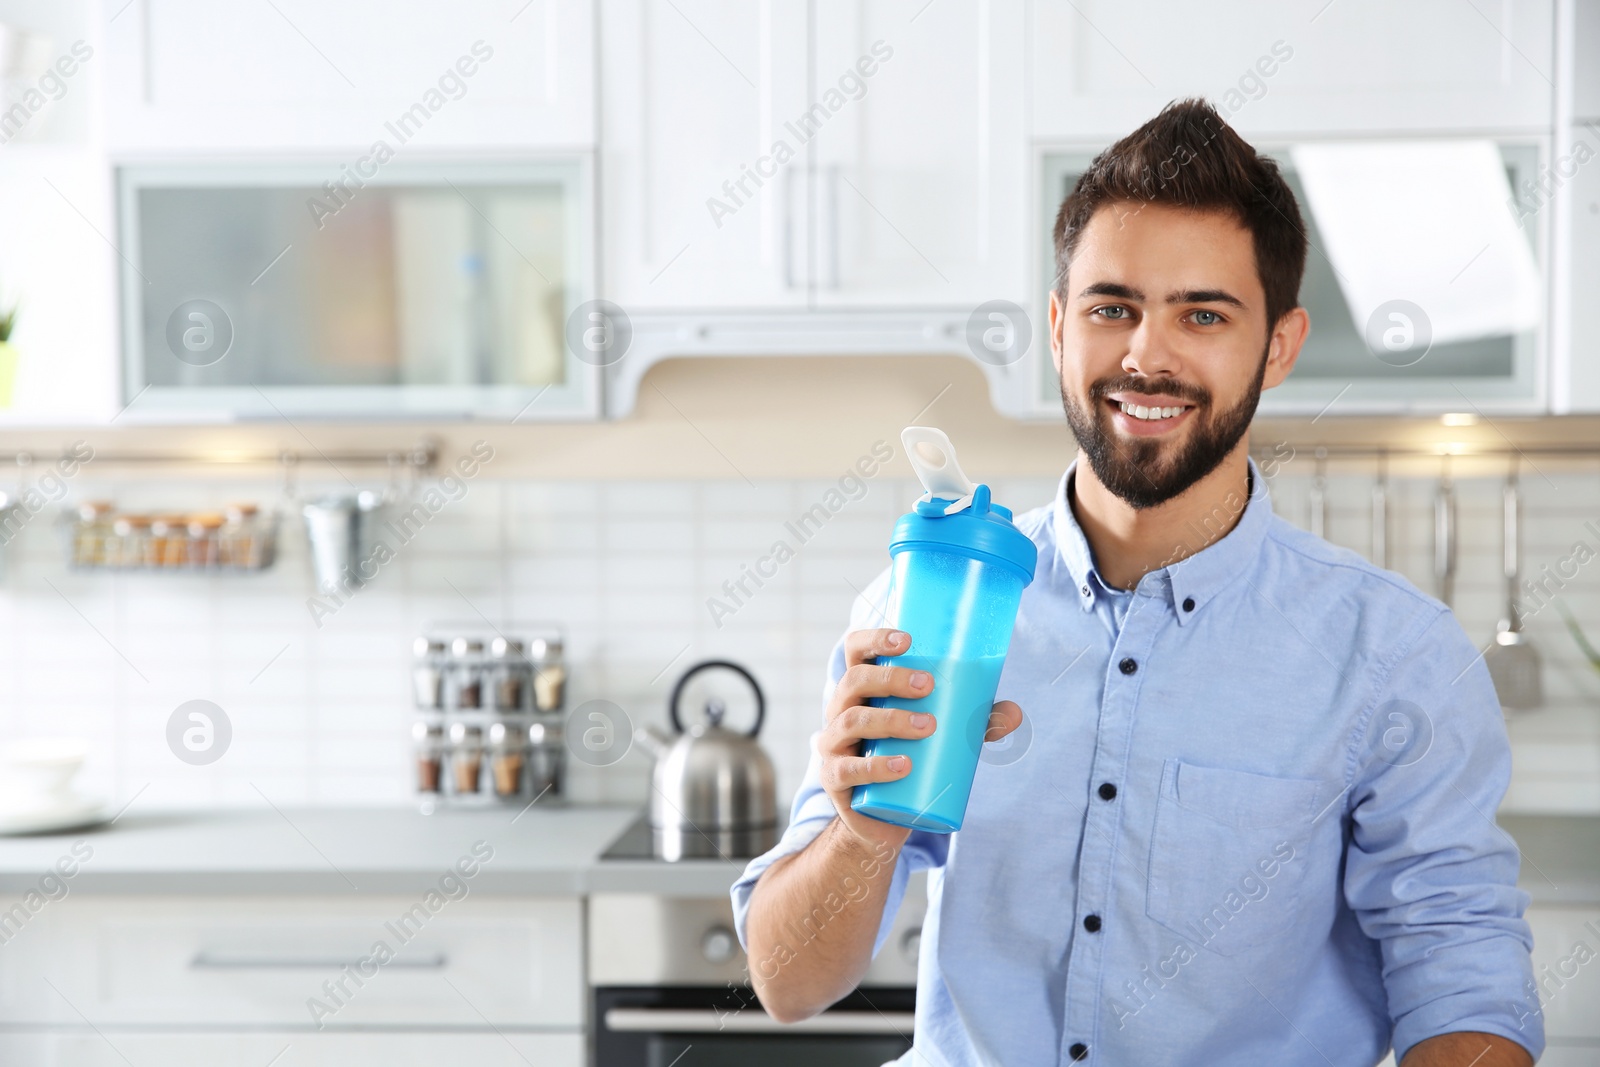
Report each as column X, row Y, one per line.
column 677, row 692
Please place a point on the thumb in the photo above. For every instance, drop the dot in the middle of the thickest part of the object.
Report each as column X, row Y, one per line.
column 1005, row 717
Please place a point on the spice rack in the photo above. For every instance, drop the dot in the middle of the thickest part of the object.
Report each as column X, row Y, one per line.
column 488, row 723
column 238, row 538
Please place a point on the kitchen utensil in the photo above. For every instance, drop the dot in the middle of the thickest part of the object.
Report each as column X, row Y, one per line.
column 1380, row 513
column 342, row 529
column 1444, row 534
column 1319, row 496
column 1512, row 660
column 36, row 793
column 956, row 580
column 714, row 792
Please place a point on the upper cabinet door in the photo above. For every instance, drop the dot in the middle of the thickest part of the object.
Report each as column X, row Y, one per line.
column 1294, row 69
column 221, row 75
column 703, row 167
column 918, row 125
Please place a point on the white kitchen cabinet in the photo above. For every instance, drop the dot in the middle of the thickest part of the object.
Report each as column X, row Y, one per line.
column 703, row 183
column 1575, row 207
column 241, row 963
column 1300, row 69
column 114, row 1048
column 209, row 76
column 917, row 174
column 835, row 155
column 1566, row 966
column 1585, row 71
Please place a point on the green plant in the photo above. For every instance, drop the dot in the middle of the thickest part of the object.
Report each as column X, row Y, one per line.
column 1576, row 631
column 8, row 320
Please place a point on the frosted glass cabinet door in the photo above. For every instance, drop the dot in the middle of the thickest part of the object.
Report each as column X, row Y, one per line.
column 267, row 291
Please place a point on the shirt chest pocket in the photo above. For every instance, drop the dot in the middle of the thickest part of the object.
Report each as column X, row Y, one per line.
column 1228, row 855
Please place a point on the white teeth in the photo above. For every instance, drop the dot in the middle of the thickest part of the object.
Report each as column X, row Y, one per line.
column 1141, row 412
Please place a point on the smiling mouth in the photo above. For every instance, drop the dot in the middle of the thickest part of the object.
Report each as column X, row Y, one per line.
column 1150, row 414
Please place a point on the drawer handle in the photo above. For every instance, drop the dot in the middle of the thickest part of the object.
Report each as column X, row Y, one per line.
column 710, row 1021
column 222, row 961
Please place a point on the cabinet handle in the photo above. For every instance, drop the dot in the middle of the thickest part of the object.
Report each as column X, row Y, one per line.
column 786, row 251
column 222, row 961
column 754, row 1021
column 830, row 194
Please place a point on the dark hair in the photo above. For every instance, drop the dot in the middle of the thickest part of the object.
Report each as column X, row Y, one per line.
column 1188, row 157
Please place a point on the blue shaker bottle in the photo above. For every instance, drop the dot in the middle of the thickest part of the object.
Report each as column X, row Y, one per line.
column 958, row 570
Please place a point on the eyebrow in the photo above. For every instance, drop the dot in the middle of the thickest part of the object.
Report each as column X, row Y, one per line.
column 1183, row 296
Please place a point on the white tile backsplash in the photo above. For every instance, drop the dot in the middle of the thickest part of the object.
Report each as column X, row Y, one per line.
column 320, row 712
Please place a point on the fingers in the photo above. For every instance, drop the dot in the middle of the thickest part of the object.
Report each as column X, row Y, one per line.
column 864, row 681
column 858, row 722
column 863, row 646
column 1005, row 717
column 846, row 772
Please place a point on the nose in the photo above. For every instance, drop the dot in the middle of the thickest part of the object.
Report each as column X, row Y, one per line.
column 1149, row 354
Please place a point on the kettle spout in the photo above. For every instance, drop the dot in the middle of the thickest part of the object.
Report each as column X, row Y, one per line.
column 656, row 742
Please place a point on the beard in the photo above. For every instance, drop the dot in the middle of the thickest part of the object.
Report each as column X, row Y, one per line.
column 1147, row 471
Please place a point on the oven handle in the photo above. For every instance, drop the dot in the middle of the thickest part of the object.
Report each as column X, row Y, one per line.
column 710, row 1020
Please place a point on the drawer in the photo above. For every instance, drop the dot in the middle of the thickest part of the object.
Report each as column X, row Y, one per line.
column 1566, row 965
column 308, row 962
column 112, row 1048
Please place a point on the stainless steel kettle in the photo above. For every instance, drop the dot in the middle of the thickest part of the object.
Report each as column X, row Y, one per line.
column 715, row 794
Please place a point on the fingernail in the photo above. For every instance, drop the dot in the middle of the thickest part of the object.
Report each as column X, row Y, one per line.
column 921, row 679
column 921, row 719
column 898, row 763
column 898, row 638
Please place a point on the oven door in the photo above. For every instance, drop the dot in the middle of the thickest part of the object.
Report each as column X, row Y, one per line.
column 643, row 1026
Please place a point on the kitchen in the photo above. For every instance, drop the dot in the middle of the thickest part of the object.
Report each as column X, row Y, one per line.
column 398, row 403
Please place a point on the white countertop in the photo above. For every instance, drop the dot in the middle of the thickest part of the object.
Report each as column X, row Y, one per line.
column 552, row 850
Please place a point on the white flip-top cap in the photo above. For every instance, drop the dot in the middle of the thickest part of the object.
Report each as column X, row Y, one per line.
column 933, row 457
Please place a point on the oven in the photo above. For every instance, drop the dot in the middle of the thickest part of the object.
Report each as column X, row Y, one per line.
column 668, row 976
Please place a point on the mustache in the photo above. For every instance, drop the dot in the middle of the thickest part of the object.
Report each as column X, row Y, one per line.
column 1131, row 383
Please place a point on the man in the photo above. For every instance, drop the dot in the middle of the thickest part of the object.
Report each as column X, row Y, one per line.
column 1254, row 820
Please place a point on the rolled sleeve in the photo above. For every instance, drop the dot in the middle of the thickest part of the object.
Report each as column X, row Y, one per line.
column 1429, row 875
column 812, row 810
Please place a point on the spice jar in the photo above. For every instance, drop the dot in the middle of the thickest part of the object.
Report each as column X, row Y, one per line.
column 511, row 671
column 549, row 674
column 429, row 742
column 92, row 533
column 130, row 534
column 467, row 672
column 169, row 541
column 506, row 759
column 202, row 548
column 239, row 544
column 427, row 672
column 466, row 756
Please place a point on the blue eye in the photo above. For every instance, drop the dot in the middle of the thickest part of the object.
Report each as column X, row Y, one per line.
column 1207, row 318
column 1112, row 311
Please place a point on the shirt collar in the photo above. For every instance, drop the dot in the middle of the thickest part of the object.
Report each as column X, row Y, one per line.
column 1192, row 581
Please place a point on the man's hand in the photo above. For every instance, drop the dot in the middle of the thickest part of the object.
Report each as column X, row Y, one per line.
column 850, row 720
column 1467, row 1049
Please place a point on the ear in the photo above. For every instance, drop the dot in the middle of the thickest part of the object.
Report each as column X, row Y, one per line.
column 1283, row 346
column 1056, row 313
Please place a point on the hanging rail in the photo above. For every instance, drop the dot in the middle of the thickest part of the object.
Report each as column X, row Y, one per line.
column 421, row 456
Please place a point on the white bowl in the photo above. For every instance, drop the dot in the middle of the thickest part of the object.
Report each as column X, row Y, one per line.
column 40, row 767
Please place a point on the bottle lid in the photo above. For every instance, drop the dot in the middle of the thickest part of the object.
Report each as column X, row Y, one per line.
column 955, row 514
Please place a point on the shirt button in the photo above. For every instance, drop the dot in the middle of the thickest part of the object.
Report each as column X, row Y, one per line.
column 1188, row 603
column 1108, row 791
column 1091, row 923
column 1128, row 666
column 1078, row 1051
column 1084, row 590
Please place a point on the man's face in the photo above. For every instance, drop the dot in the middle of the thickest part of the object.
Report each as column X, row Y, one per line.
column 1161, row 337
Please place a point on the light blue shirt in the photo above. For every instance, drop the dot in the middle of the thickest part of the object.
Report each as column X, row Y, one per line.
column 1249, row 819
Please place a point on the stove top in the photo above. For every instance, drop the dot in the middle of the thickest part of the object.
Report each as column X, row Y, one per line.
column 641, row 841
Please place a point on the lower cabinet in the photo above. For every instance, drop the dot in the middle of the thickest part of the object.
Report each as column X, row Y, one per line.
column 119, row 1049
column 293, row 981
column 1566, row 966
